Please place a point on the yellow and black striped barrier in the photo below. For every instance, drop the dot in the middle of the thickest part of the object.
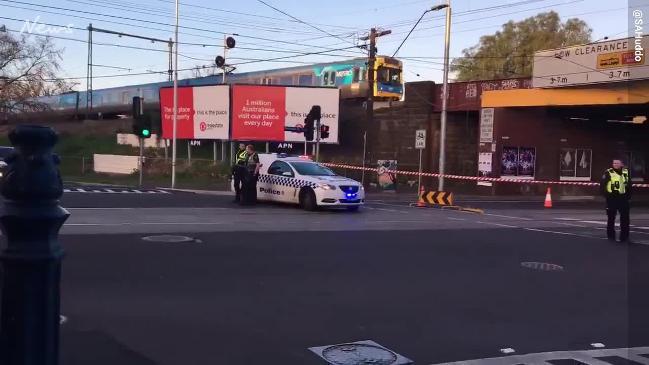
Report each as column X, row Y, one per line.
column 442, row 198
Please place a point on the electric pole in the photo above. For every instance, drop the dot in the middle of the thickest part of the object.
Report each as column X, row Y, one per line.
column 371, row 81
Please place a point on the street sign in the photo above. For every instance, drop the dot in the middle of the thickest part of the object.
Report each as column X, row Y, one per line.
column 420, row 139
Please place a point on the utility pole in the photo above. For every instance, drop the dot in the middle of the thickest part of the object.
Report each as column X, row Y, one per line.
column 89, row 74
column 443, row 118
column 371, row 81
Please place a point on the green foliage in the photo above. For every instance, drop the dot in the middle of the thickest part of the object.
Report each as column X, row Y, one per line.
column 510, row 52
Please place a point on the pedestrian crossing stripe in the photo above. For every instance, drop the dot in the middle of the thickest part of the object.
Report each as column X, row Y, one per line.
column 116, row 191
column 639, row 355
column 285, row 181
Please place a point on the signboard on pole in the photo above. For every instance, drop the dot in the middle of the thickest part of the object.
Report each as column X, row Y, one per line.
column 420, row 139
column 608, row 61
column 263, row 112
column 203, row 112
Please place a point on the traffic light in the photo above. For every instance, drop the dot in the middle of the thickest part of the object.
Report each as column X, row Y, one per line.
column 142, row 126
column 141, row 121
column 324, row 131
column 308, row 128
column 309, row 122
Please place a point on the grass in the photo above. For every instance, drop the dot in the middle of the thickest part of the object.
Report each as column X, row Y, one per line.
column 76, row 152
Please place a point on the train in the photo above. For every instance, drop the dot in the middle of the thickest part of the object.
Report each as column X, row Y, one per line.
column 350, row 76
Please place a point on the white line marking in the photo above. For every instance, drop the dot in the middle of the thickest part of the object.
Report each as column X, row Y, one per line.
column 567, row 219
column 81, row 191
column 507, row 350
column 594, row 222
column 456, row 219
column 508, row 216
column 391, row 210
column 109, row 190
column 598, row 345
column 563, row 233
column 586, row 356
column 571, row 225
column 137, row 191
column 66, row 190
column 144, row 224
column 498, row 224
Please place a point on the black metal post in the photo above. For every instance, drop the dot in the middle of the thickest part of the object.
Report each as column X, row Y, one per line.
column 30, row 219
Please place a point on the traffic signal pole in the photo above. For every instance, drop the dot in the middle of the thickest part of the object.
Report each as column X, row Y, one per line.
column 140, row 162
column 371, row 81
column 317, row 141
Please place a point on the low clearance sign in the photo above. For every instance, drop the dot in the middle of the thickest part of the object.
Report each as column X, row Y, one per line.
column 203, row 112
column 262, row 113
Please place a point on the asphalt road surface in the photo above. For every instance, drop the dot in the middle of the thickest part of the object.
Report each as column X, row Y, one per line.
column 263, row 285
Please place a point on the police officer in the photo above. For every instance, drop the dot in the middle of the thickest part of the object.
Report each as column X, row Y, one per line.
column 238, row 170
column 251, row 173
column 616, row 187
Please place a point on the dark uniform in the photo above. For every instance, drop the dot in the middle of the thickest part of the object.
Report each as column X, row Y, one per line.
column 238, row 172
column 249, row 189
column 616, row 187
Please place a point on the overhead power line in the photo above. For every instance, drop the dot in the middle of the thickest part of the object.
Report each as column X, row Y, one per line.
column 158, row 23
column 300, row 21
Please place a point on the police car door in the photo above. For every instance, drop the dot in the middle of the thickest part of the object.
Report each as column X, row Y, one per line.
column 281, row 185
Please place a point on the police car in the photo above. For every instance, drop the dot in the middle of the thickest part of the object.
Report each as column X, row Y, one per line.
column 301, row 181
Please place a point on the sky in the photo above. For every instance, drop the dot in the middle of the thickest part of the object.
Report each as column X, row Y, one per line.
column 295, row 27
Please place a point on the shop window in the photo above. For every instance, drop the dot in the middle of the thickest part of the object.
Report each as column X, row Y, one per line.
column 635, row 162
column 576, row 164
column 519, row 162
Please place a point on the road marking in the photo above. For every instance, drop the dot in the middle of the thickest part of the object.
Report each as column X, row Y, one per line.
column 591, row 357
column 507, row 351
column 144, row 224
column 567, row 219
column 456, row 219
column 594, row 222
column 571, row 224
column 498, row 224
column 597, row 345
column 136, row 191
column 563, row 233
column 509, row 216
column 631, row 231
column 109, row 191
column 390, row 210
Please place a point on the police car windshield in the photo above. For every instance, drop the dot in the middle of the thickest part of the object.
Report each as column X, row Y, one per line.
column 311, row 169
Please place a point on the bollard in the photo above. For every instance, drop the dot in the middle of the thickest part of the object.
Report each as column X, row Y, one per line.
column 30, row 219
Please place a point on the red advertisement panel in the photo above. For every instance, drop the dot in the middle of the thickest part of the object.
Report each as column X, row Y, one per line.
column 258, row 113
column 185, row 118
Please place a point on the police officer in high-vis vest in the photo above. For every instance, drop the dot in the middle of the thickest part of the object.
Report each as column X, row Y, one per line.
column 616, row 187
column 239, row 170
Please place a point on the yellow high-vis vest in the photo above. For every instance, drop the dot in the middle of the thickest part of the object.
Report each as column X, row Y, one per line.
column 617, row 182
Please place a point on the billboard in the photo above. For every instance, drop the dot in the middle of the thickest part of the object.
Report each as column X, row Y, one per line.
column 263, row 113
column 609, row 61
column 203, row 112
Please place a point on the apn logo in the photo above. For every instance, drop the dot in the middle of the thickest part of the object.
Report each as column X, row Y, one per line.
column 203, row 126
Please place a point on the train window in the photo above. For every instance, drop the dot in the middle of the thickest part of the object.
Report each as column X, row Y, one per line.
column 332, row 78
column 325, row 81
column 355, row 74
column 286, row 80
column 305, row 80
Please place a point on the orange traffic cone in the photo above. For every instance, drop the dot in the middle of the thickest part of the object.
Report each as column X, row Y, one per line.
column 420, row 202
column 548, row 199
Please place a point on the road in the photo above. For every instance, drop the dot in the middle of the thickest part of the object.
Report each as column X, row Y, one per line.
column 263, row 285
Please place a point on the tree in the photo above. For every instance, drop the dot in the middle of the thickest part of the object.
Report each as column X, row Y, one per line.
column 28, row 69
column 510, row 52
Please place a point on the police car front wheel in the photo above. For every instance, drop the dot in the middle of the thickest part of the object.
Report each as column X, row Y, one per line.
column 308, row 200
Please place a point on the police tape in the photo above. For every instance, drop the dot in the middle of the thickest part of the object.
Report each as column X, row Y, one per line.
column 475, row 178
